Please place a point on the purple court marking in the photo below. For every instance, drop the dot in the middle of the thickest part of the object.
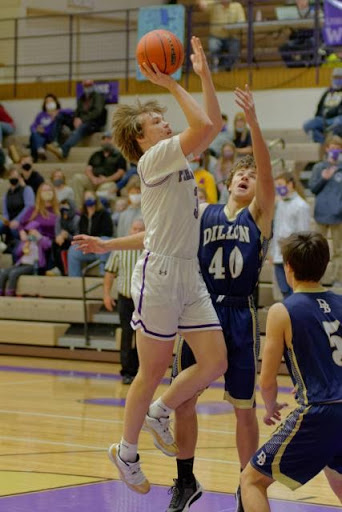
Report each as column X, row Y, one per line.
column 98, row 376
column 114, row 496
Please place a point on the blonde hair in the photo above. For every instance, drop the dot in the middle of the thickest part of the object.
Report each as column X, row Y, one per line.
column 127, row 127
column 39, row 208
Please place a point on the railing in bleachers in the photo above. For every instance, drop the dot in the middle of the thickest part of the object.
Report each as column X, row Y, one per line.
column 102, row 45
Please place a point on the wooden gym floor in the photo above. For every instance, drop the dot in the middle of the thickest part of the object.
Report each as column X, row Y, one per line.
column 57, row 419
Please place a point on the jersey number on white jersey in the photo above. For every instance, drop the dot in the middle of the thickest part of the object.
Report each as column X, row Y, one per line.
column 217, row 268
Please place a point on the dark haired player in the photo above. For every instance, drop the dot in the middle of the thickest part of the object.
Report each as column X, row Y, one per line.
column 307, row 329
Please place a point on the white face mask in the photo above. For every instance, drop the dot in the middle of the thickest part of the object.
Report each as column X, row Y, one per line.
column 135, row 198
column 50, row 105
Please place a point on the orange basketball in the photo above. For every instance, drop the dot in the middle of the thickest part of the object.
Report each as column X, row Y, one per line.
column 162, row 48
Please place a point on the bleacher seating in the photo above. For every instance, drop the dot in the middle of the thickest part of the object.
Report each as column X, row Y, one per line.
column 47, row 309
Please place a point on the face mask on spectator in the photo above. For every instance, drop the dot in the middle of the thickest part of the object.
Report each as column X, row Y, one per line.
column 334, row 154
column 90, row 202
column 14, row 181
column 31, row 238
column 337, row 83
column 282, row 190
column 26, row 167
column 135, row 198
column 47, row 195
column 88, row 90
column 64, row 210
column 240, row 129
column 58, row 182
column 227, row 153
column 108, row 147
column 50, row 105
column 194, row 166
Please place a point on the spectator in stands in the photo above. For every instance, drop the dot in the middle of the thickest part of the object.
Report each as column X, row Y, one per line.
column 18, row 199
column 292, row 214
column 133, row 191
column 62, row 190
column 328, row 115
column 45, row 212
column 225, row 135
column 43, row 128
column 7, row 126
column 224, row 49
column 103, row 173
column 67, row 226
column 223, row 167
column 90, row 117
column 31, row 177
column 242, row 136
column 326, row 183
column 121, row 204
column 95, row 221
column 299, row 50
column 120, row 265
column 204, row 179
column 30, row 256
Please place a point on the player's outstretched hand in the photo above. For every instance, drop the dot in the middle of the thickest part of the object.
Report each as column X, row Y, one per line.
column 155, row 76
column 244, row 98
column 274, row 415
column 87, row 244
column 198, row 58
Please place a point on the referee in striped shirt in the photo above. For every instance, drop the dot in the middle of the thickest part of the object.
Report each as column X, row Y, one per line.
column 121, row 264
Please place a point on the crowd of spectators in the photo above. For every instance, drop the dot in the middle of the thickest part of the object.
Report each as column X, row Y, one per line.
column 40, row 216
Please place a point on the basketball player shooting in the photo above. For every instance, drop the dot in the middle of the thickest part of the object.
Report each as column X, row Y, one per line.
column 168, row 291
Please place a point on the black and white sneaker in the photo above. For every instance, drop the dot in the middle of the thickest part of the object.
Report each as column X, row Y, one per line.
column 239, row 506
column 184, row 495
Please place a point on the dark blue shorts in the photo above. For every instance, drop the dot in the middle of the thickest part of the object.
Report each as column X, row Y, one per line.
column 241, row 334
column 307, row 441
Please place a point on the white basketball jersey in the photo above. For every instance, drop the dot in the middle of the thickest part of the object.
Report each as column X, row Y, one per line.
column 169, row 201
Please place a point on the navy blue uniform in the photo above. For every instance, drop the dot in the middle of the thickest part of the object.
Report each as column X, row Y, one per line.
column 231, row 255
column 310, row 437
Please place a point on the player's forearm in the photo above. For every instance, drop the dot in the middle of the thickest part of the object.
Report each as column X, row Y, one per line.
column 130, row 242
column 194, row 113
column 211, row 104
column 269, row 394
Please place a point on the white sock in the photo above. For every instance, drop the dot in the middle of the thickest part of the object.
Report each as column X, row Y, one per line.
column 159, row 410
column 128, row 452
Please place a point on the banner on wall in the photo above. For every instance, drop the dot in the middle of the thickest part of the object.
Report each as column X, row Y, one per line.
column 167, row 17
column 332, row 30
column 110, row 90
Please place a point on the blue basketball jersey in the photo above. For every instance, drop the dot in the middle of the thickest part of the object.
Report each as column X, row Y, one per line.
column 314, row 359
column 231, row 253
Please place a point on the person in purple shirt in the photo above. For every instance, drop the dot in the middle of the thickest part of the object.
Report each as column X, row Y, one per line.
column 15, row 203
column 43, row 128
column 44, row 212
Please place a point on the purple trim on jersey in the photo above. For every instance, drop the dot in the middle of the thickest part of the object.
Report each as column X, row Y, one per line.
column 203, row 326
column 155, row 184
column 143, row 283
column 157, row 334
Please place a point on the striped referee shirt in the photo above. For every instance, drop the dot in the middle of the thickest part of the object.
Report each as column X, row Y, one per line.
column 121, row 264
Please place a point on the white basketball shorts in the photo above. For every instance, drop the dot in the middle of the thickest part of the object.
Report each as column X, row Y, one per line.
column 170, row 296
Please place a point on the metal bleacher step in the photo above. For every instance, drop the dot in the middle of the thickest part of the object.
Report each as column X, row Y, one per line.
column 100, row 337
column 106, row 317
column 95, row 342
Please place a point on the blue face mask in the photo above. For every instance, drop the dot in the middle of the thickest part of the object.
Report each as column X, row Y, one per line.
column 282, row 190
column 337, row 83
column 334, row 154
column 194, row 166
column 90, row 202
